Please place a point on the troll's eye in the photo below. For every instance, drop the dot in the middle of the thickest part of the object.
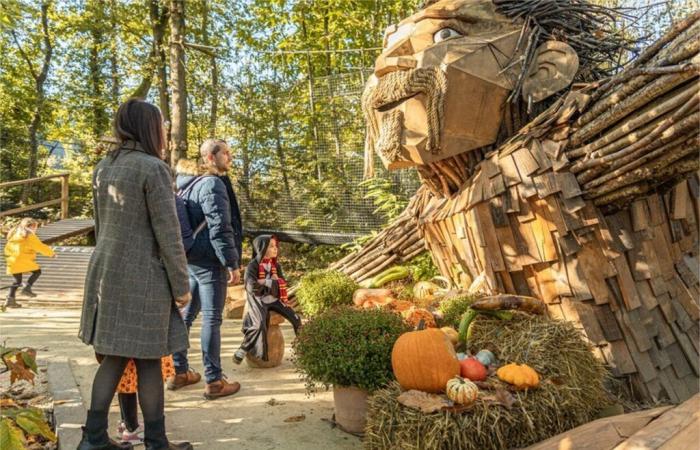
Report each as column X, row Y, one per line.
column 445, row 34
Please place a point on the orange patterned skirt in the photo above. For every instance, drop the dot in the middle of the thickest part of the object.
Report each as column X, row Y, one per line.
column 129, row 382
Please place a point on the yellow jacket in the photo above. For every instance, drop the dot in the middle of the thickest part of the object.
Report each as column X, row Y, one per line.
column 20, row 253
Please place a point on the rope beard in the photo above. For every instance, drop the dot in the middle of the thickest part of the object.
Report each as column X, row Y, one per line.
column 395, row 86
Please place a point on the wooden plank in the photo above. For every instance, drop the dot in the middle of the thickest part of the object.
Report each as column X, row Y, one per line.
column 689, row 352
column 627, row 285
column 492, row 248
column 679, row 204
column 608, row 432
column 509, row 170
column 525, row 162
column 660, row 431
column 657, row 212
column 7, row 184
column 608, row 323
column 590, row 323
column 680, row 365
column 640, row 215
column 646, row 296
column 618, row 356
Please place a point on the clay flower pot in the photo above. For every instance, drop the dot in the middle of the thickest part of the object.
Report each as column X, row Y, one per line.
column 350, row 408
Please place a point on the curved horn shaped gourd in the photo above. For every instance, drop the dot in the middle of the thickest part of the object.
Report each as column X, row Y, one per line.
column 424, row 360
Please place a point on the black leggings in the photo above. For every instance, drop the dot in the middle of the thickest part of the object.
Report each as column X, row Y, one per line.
column 129, row 410
column 18, row 281
column 150, row 385
column 286, row 312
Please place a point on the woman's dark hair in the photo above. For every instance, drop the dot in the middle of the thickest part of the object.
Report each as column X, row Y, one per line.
column 139, row 121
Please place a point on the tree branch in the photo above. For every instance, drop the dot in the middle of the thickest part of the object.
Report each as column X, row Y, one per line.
column 24, row 55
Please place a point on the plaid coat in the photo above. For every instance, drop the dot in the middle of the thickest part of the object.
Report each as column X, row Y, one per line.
column 139, row 265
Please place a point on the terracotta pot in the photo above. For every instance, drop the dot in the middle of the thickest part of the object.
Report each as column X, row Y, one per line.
column 275, row 345
column 350, row 408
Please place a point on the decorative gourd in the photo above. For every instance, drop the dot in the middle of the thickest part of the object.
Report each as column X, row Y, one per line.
column 451, row 333
column 376, row 296
column 486, row 357
column 521, row 376
column 424, row 360
column 472, row 369
column 462, row 391
column 414, row 315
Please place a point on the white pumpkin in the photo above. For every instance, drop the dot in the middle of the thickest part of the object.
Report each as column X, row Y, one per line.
column 462, row 391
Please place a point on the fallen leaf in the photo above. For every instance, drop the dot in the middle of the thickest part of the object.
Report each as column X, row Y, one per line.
column 501, row 397
column 298, row 418
column 274, row 402
column 427, row 403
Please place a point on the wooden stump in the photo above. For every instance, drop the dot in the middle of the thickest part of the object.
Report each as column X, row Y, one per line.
column 275, row 345
column 235, row 302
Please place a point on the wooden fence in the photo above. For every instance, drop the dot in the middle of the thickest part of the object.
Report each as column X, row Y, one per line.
column 63, row 200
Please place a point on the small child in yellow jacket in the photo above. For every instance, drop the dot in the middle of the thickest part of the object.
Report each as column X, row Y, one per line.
column 20, row 256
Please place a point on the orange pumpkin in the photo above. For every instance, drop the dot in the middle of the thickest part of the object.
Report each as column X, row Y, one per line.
column 424, row 360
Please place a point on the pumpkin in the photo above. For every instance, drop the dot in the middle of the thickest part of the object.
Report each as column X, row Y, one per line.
column 424, row 360
column 462, row 391
column 451, row 333
column 376, row 296
column 472, row 369
column 486, row 357
column 414, row 315
column 521, row 376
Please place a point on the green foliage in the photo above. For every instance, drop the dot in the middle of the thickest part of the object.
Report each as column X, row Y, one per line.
column 422, row 267
column 453, row 308
column 380, row 191
column 321, row 290
column 348, row 347
column 18, row 423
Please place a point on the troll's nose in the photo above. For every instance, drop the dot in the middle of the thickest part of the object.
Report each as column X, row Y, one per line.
column 397, row 57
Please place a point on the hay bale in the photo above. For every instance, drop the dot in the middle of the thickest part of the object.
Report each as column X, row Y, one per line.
column 570, row 394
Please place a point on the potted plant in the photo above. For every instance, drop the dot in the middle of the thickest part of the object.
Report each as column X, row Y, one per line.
column 349, row 349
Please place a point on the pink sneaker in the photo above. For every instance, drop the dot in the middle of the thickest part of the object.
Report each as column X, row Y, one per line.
column 132, row 437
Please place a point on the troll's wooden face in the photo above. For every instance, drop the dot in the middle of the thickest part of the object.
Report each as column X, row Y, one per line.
column 440, row 84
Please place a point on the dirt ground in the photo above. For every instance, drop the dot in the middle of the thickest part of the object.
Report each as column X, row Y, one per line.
column 261, row 416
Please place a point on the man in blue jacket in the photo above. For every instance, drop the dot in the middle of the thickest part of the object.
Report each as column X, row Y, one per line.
column 213, row 262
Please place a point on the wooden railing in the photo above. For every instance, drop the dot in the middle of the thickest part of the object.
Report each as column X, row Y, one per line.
column 63, row 200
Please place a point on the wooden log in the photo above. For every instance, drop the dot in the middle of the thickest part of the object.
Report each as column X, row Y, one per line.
column 635, row 121
column 678, row 120
column 659, row 86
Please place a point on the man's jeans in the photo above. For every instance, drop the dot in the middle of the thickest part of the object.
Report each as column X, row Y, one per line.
column 208, row 287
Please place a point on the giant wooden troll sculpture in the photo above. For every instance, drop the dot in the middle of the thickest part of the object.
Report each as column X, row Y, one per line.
column 584, row 195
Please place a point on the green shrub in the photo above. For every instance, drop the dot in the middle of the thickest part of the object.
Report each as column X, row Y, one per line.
column 323, row 289
column 453, row 308
column 345, row 346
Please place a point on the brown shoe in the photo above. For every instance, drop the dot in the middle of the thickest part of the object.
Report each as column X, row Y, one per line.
column 220, row 388
column 181, row 380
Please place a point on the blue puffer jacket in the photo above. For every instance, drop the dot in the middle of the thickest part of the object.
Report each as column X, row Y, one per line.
column 215, row 245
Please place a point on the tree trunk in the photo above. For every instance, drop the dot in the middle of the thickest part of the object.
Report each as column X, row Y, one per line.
column 113, row 65
column 178, row 85
column 159, row 20
column 39, row 80
column 312, row 106
column 214, row 107
column 99, row 114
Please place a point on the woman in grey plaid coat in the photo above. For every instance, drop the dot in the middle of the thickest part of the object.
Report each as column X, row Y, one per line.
column 137, row 275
